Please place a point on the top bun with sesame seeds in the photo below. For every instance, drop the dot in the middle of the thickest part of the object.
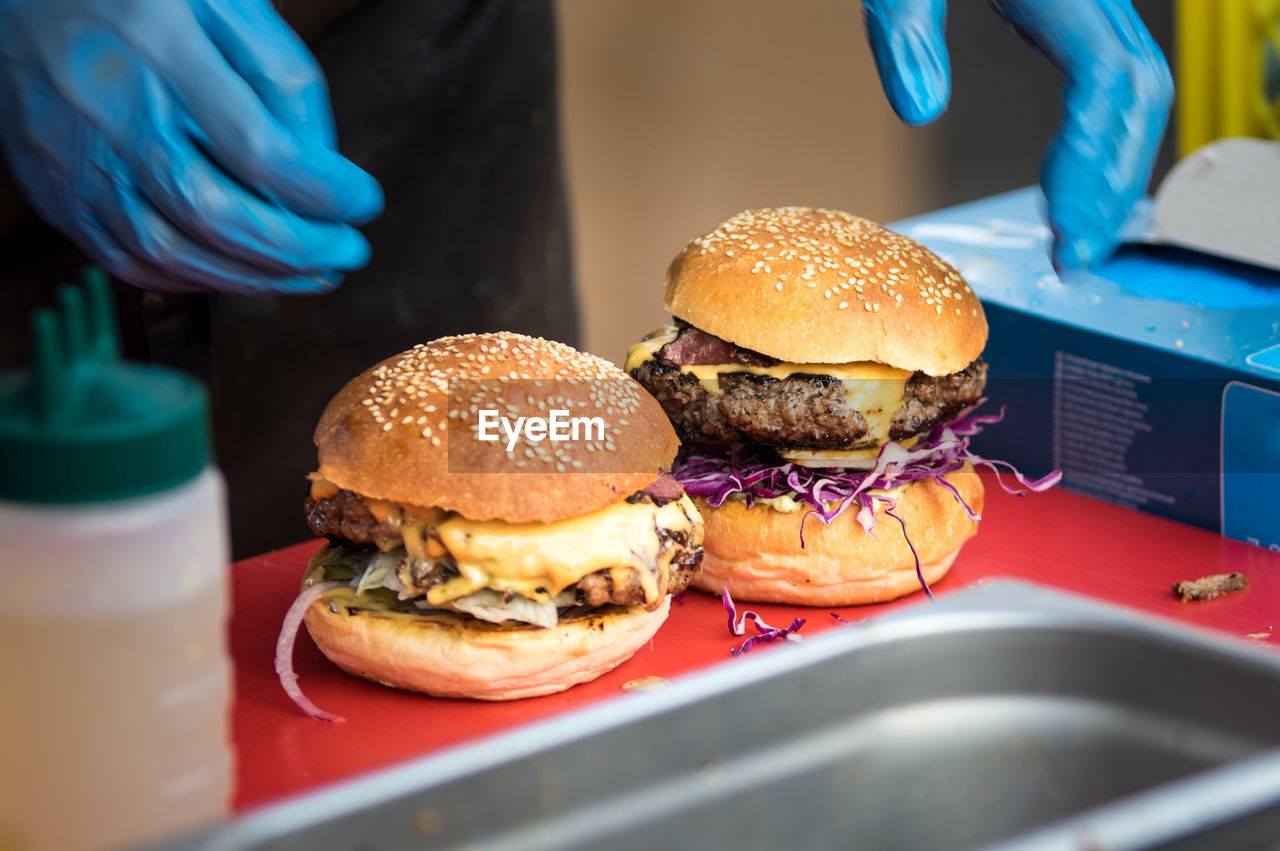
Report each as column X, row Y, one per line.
column 471, row 554
column 820, row 286
column 407, row 430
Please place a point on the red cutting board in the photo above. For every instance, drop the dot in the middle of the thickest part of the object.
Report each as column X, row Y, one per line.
column 1056, row 538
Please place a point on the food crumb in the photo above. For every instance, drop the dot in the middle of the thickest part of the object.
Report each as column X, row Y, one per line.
column 428, row 822
column 644, row 684
column 1208, row 587
column 1259, row 636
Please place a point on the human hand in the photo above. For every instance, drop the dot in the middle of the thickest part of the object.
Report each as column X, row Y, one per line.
column 1117, row 95
column 184, row 144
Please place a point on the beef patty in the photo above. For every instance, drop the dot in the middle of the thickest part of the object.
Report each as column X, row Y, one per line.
column 801, row 411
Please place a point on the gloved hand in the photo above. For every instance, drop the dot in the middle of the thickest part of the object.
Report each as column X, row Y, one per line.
column 1118, row 91
column 185, row 144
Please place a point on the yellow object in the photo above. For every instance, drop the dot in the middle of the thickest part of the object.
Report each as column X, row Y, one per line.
column 856, row 371
column 538, row 560
column 1228, row 70
column 647, row 349
column 862, row 458
column 875, row 389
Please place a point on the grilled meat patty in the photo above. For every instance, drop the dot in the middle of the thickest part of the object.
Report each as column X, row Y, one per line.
column 345, row 517
column 801, row 411
column 933, row 399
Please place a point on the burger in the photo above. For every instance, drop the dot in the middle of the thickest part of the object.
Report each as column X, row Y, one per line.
column 822, row 371
column 461, row 565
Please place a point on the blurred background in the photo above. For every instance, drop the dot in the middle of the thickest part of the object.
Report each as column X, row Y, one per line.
column 679, row 113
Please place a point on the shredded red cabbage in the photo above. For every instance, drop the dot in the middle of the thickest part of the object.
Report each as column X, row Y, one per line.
column 888, row 510
column 738, row 626
column 719, row 472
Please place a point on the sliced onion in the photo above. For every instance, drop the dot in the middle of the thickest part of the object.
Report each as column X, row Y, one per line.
column 284, row 649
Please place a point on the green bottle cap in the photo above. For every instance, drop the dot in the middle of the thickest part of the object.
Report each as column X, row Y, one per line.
column 81, row 425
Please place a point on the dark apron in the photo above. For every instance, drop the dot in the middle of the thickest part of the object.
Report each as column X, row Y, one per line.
column 452, row 106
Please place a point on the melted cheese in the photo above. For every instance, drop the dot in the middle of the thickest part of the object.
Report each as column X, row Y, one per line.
column 859, row 459
column 859, row 371
column 322, row 488
column 414, row 536
column 647, row 349
column 538, row 560
column 381, row 509
column 530, row 559
column 873, row 389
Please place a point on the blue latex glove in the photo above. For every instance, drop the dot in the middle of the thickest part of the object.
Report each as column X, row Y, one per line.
column 1118, row 91
column 185, row 144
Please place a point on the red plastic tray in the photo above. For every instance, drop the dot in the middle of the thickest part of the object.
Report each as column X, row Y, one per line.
column 1057, row 538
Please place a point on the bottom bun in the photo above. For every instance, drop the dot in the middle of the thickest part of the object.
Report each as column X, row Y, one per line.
column 756, row 552
column 481, row 661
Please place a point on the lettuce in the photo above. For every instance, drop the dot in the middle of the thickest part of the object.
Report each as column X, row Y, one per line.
column 496, row 607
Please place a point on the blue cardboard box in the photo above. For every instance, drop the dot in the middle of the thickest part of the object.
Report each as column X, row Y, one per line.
column 1152, row 382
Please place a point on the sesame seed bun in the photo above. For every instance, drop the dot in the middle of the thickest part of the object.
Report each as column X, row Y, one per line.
column 756, row 552
column 478, row 660
column 405, row 430
column 820, row 286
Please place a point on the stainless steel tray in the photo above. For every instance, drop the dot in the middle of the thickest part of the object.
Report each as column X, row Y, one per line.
column 1005, row 713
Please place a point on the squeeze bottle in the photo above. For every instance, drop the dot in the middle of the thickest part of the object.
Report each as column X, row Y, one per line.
column 114, row 675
